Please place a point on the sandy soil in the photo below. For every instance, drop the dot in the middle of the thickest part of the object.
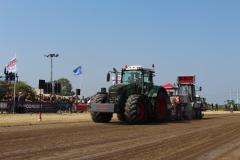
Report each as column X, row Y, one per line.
column 33, row 119
column 219, row 112
column 213, row 138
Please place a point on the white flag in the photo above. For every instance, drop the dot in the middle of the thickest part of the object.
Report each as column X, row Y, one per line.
column 12, row 66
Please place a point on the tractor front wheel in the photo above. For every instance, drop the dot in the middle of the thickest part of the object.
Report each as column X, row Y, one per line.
column 135, row 109
column 101, row 117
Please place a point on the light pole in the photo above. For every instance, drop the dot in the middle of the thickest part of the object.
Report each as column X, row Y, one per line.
column 51, row 56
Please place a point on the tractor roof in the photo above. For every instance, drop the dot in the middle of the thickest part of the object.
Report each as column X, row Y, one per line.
column 135, row 67
column 138, row 68
column 187, row 79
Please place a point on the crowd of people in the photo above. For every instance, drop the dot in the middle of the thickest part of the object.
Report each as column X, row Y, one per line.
column 25, row 102
column 27, row 97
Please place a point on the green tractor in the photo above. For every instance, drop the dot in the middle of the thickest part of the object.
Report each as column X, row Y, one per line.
column 135, row 98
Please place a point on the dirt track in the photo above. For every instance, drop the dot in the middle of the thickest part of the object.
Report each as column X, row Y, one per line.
column 215, row 137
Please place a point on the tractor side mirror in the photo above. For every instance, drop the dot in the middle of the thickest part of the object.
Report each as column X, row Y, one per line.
column 108, row 77
column 200, row 88
column 115, row 70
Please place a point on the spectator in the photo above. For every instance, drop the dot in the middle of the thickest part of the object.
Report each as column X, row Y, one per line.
column 21, row 98
column 28, row 98
column 212, row 107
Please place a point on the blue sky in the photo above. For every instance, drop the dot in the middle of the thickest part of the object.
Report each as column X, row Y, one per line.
column 198, row 37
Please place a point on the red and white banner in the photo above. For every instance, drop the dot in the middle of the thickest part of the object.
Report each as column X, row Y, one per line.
column 12, row 65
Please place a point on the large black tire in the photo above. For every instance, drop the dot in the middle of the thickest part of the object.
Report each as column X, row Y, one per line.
column 179, row 113
column 188, row 112
column 101, row 117
column 135, row 109
column 195, row 113
column 199, row 113
column 161, row 111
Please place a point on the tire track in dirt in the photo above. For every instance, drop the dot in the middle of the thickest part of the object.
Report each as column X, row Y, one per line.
column 215, row 137
column 166, row 146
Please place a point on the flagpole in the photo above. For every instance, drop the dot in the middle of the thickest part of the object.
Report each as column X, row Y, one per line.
column 10, row 69
column 80, row 82
column 81, row 86
column 14, row 90
column 14, row 94
column 77, row 72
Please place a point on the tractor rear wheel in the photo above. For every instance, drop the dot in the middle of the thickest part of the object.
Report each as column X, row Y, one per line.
column 179, row 113
column 161, row 106
column 195, row 113
column 135, row 109
column 188, row 111
column 199, row 113
column 101, row 117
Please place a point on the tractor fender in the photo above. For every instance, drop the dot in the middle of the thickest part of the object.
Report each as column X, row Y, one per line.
column 153, row 92
column 163, row 90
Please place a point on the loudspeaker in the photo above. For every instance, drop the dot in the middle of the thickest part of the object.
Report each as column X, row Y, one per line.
column 78, row 92
column 41, row 84
column 57, row 88
column 48, row 88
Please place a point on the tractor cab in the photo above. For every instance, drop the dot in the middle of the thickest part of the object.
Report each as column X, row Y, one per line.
column 132, row 74
column 188, row 100
column 141, row 77
column 137, row 74
column 186, row 88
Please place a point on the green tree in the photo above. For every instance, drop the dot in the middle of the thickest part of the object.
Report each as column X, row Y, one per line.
column 20, row 87
column 25, row 88
column 3, row 89
column 66, row 87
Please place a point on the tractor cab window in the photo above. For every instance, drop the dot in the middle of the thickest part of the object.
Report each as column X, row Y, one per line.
column 131, row 77
column 148, row 77
column 185, row 90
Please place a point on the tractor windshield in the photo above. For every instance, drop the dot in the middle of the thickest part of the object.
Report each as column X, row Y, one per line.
column 185, row 90
column 135, row 77
column 132, row 77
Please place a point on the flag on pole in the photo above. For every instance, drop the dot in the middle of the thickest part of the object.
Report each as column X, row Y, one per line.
column 77, row 71
column 12, row 66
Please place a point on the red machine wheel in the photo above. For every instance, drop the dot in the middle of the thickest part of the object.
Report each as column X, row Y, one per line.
column 161, row 111
column 141, row 111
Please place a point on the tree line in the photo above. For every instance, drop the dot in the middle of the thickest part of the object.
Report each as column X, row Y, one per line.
column 21, row 86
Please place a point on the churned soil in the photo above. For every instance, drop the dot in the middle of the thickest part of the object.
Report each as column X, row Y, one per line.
column 216, row 137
